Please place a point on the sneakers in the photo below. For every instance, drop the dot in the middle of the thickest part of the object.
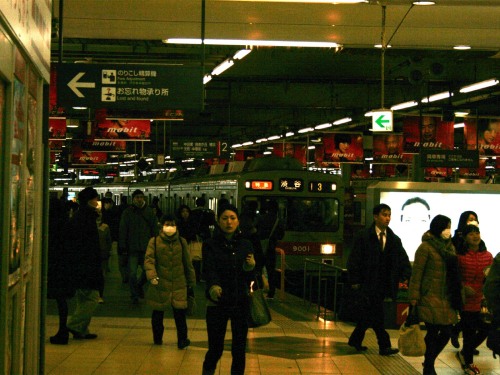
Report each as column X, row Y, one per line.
column 471, row 369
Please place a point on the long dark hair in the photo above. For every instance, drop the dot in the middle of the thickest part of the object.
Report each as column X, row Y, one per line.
column 462, row 221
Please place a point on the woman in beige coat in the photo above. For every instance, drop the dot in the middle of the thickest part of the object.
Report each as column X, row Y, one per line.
column 435, row 288
column 171, row 276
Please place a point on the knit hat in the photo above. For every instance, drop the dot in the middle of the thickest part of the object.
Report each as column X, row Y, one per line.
column 137, row 192
column 87, row 194
column 470, row 228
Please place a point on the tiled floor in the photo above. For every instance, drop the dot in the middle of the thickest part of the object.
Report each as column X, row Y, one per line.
column 293, row 343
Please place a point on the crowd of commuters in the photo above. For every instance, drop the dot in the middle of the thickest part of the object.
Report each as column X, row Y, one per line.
column 445, row 282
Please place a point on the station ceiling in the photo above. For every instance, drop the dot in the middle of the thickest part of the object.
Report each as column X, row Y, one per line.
column 278, row 89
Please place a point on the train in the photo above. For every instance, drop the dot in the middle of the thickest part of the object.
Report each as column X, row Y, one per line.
column 311, row 204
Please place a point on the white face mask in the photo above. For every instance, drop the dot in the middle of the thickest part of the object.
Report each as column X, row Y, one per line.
column 168, row 230
column 446, row 234
column 473, row 222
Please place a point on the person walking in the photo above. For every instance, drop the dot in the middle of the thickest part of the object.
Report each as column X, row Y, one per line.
column 228, row 264
column 435, row 288
column 59, row 280
column 171, row 275
column 473, row 261
column 83, row 237
column 492, row 294
column 137, row 225
column 376, row 265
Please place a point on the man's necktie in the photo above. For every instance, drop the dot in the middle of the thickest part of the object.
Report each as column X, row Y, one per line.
column 381, row 239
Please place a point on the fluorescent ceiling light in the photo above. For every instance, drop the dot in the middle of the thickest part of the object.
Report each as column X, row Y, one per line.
column 252, row 42
column 81, row 108
column 380, row 46
column 305, row 130
column 207, row 78
column 404, row 105
column 247, row 143
column 236, row 145
column 311, row 147
column 222, row 67
column 479, row 85
column 462, row 113
column 461, row 47
column 342, row 121
column 273, row 137
column 459, row 125
column 267, row 153
column 241, row 54
column 435, row 97
column 422, row 2
column 369, row 114
column 323, row 126
column 289, row 134
column 261, row 140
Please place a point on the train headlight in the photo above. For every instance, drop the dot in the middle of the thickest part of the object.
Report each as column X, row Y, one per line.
column 327, row 249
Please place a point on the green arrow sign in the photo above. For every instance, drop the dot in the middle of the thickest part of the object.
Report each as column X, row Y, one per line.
column 380, row 121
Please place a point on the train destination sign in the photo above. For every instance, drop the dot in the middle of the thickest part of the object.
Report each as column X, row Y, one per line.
column 259, row 185
column 129, row 86
column 291, row 184
column 322, row 187
column 194, row 149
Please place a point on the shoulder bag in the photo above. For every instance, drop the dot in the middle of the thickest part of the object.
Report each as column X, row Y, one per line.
column 411, row 339
column 258, row 311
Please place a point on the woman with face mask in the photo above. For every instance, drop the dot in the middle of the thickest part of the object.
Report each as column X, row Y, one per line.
column 171, row 276
column 435, row 288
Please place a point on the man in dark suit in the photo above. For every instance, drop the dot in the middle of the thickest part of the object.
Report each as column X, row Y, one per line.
column 376, row 265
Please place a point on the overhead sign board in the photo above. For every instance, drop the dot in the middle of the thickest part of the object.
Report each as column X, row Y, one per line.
column 450, row 158
column 129, row 86
column 382, row 121
column 195, row 149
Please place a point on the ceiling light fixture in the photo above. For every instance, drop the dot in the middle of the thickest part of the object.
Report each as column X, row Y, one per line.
column 236, row 145
column 222, row 67
column 306, row 130
column 462, row 47
column 323, row 126
column 207, row 78
column 289, row 134
column 380, row 46
column 342, row 121
column 241, row 54
column 459, row 125
column 479, row 85
column 422, row 2
column 404, row 105
column 462, row 113
column 251, row 42
column 261, row 140
column 249, row 143
column 436, row 97
column 273, row 137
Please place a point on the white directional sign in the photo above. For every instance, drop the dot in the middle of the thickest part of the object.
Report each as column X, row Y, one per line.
column 382, row 120
column 75, row 84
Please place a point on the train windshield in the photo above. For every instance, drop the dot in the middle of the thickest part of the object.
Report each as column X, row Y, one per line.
column 303, row 214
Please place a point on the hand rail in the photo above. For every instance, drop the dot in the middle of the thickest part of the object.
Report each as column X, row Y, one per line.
column 281, row 270
column 321, row 267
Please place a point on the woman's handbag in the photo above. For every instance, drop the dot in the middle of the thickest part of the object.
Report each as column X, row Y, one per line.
column 194, row 248
column 411, row 339
column 258, row 311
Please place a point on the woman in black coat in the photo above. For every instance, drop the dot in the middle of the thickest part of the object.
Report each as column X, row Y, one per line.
column 228, row 265
column 59, row 286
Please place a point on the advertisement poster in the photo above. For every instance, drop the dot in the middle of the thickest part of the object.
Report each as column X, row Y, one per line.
column 293, row 150
column 110, row 145
column 484, row 134
column 85, row 158
column 57, row 128
column 18, row 147
column 340, row 148
column 126, row 130
column 388, row 148
column 427, row 132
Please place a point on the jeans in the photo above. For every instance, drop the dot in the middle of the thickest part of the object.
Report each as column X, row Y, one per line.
column 86, row 303
column 136, row 284
column 216, row 319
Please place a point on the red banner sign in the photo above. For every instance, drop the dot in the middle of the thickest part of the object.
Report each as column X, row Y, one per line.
column 125, row 130
column 57, row 128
